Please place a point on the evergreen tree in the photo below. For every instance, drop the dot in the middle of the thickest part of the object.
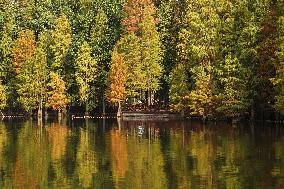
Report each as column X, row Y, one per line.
column 86, row 71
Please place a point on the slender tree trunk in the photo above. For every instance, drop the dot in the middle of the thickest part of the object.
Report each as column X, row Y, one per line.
column 119, row 109
column 30, row 114
column 252, row 113
column 39, row 111
column 149, row 97
column 119, row 123
column 2, row 115
column 64, row 112
column 262, row 112
column 204, row 118
column 104, row 106
column 39, row 121
column 45, row 113
column 182, row 114
column 59, row 115
column 87, row 109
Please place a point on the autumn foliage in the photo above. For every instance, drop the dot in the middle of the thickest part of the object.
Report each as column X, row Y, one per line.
column 24, row 48
column 117, row 78
column 136, row 11
column 57, row 99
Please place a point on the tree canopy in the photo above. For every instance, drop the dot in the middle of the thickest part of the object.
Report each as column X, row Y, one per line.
column 205, row 58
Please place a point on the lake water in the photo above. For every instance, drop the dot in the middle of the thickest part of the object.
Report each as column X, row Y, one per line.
column 164, row 154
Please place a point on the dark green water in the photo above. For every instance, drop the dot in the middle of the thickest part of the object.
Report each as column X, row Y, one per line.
column 105, row 154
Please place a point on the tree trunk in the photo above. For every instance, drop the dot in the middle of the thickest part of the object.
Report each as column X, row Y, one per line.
column 39, row 121
column 119, row 123
column 204, row 119
column 2, row 115
column 119, row 109
column 39, row 113
column 262, row 106
column 87, row 110
column 182, row 114
column 104, row 106
column 64, row 112
column 149, row 97
column 252, row 113
column 59, row 115
column 45, row 113
column 30, row 113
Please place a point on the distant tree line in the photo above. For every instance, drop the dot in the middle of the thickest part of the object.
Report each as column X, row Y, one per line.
column 202, row 57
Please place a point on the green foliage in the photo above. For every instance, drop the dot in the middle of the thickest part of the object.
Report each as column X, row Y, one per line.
column 170, row 14
column 179, row 89
column 32, row 85
column 3, row 96
column 62, row 37
column 129, row 47
column 169, row 47
column 278, row 81
column 141, row 49
column 151, row 50
column 202, row 99
column 225, row 68
column 86, row 73
column 232, row 94
column 6, row 68
column 198, row 51
column 101, row 38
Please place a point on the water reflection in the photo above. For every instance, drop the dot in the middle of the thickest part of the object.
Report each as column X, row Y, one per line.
column 119, row 154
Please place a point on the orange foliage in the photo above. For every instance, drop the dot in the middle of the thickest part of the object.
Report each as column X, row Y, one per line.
column 119, row 154
column 117, row 78
column 57, row 135
column 136, row 11
column 57, row 99
column 22, row 178
column 24, row 48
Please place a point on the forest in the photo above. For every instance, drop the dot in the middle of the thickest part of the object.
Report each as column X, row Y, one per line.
column 221, row 58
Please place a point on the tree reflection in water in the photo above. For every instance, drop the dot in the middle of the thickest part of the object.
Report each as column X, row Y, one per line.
column 111, row 154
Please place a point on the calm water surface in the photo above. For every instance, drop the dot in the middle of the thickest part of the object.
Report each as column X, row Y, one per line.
column 107, row 154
